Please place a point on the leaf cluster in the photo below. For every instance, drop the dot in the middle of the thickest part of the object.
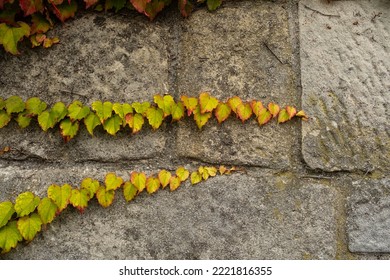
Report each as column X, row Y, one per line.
column 113, row 117
column 32, row 19
column 24, row 218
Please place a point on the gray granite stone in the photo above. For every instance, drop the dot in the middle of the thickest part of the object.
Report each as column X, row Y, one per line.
column 345, row 60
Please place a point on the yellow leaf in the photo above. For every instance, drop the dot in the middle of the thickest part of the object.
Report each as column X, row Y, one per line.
column 291, row 111
column 222, row 112
column 135, row 122
column 196, row 177
column 274, row 109
column 182, row 173
column 190, row 103
column 129, row 191
column 256, row 107
column 174, row 183
column 233, row 102
column 164, row 177
column 283, row 116
column 207, row 103
column 112, row 181
column 152, row 185
column 138, row 180
column 264, row 116
column 105, row 198
column 244, row 111
column 201, row 119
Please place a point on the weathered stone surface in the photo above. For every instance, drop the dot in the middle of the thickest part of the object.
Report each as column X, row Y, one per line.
column 345, row 60
column 368, row 224
column 233, row 217
column 243, row 49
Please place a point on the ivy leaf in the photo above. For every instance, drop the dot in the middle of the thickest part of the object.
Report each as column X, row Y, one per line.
column 207, row 103
column 2, row 103
column 49, row 42
column 79, row 199
column 26, row 203
column 274, row 109
column 91, row 185
column 103, row 110
column 117, row 4
column 76, row 111
column 59, row 111
column 10, row 36
column 233, row 103
column 222, row 169
column 60, row 195
column 35, row 106
column 122, row 110
column 112, row 125
column 140, row 5
column 23, row 120
column 104, row 197
column 9, row 13
column 91, row 121
column 182, row 173
column 39, row 24
column 6, row 212
column 212, row 5
column 185, row 7
column 244, row 111
column 164, row 103
column 46, row 120
column 196, row 177
column 203, row 172
column 264, row 116
column 141, row 108
column 30, row 7
column 190, row 103
column 129, row 191
column 164, row 177
column 66, row 10
column 9, row 237
column 14, row 104
column 135, row 122
column 222, row 112
column 152, row 185
column 201, row 119
column 4, row 118
column 112, row 181
column 291, row 111
column 47, row 210
column 212, row 171
column 155, row 117
column 302, row 115
column 283, row 116
column 177, row 111
column 89, row 3
column 174, row 183
column 256, row 107
column 68, row 129
column 154, row 7
column 138, row 180
column 29, row 226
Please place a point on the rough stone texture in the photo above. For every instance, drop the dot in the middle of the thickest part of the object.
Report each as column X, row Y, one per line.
column 345, row 60
column 266, row 217
column 226, row 53
column 369, row 216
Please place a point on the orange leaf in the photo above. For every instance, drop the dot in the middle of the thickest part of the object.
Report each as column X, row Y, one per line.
column 222, row 112
column 244, row 111
column 291, row 111
column 174, row 183
column 256, row 107
column 233, row 102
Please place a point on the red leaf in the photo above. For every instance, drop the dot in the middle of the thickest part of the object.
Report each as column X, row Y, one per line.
column 185, row 7
column 30, row 7
column 65, row 10
column 2, row 2
column 140, row 5
column 89, row 3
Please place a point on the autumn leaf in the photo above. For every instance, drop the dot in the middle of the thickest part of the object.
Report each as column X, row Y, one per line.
column 138, row 180
column 222, row 169
column 212, row 5
column 203, row 173
column 49, row 42
column 274, row 109
column 154, row 7
column 256, row 107
column 283, row 116
column 77, row 111
column 222, row 112
column 155, row 117
column 79, row 199
column 6, row 212
column 129, row 191
column 104, row 197
column 46, row 120
column 14, row 104
column 112, row 181
column 201, row 119
column 185, row 7
column 66, row 10
column 164, row 103
column 91, row 185
column 207, row 103
column 291, row 111
column 9, row 237
column 177, row 111
column 140, row 5
column 302, row 115
column 59, row 111
column 190, row 103
column 30, row 7
column 164, row 177
column 135, row 122
column 117, row 4
column 244, row 111
column 122, row 110
column 29, row 226
column 39, row 24
column 211, row 170
column 112, row 125
column 264, row 116
column 35, row 106
column 10, row 36
column 182, row 173
column 69, row 129
column 174, row 183
column 23, row 120
column 152, row 185
column 233, row 103
column 4, row 118
column 141, row 108
column 26, row 203
column 89, row 3
column 196, row 177
column 47, row 210
column 60, row 195
column 102, row 110
column 91, row 121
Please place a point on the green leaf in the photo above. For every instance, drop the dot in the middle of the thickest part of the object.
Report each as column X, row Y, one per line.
column 91, row 121
column 6, row 212
column 244, row 111
column 68, row 129
column 103, row 110
column 14, row 104
column 196, row 177
column 46, row 120
column 10, row 36
column 60, row 195
column 129, row 191
column 59, row 111
column 177, row 111
column 141, row 108
column 274, row 109
column 112, row 181
column 76, row 111
column 222, row 112
column 152, row 185
column 23, row 120
column 35, row 106
column 2, row 103
column 207, row 103
column 112, row 125
column 104, row 197
column 233, row 103
column 117, row 4
column 283, row 116
column 79, row 199
column 29, row 226
column 91, row 185
column 174, row 183
column 26, row 203
column 138, row 180
column 155, row 117
column 201, row 119
column 122, row 110
column 135, row 122
column 39, row 24
column 164, row 177
column 47, row 210
column 256, row 107
column 212, row 5
column 4, row 118
column 190, row 103
column 264, row 116
column 164, row 103
column 66, row 10
column 9, row 237
column 182, row 173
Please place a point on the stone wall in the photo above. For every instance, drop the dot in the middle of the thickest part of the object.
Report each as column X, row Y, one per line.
column 312, row 190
